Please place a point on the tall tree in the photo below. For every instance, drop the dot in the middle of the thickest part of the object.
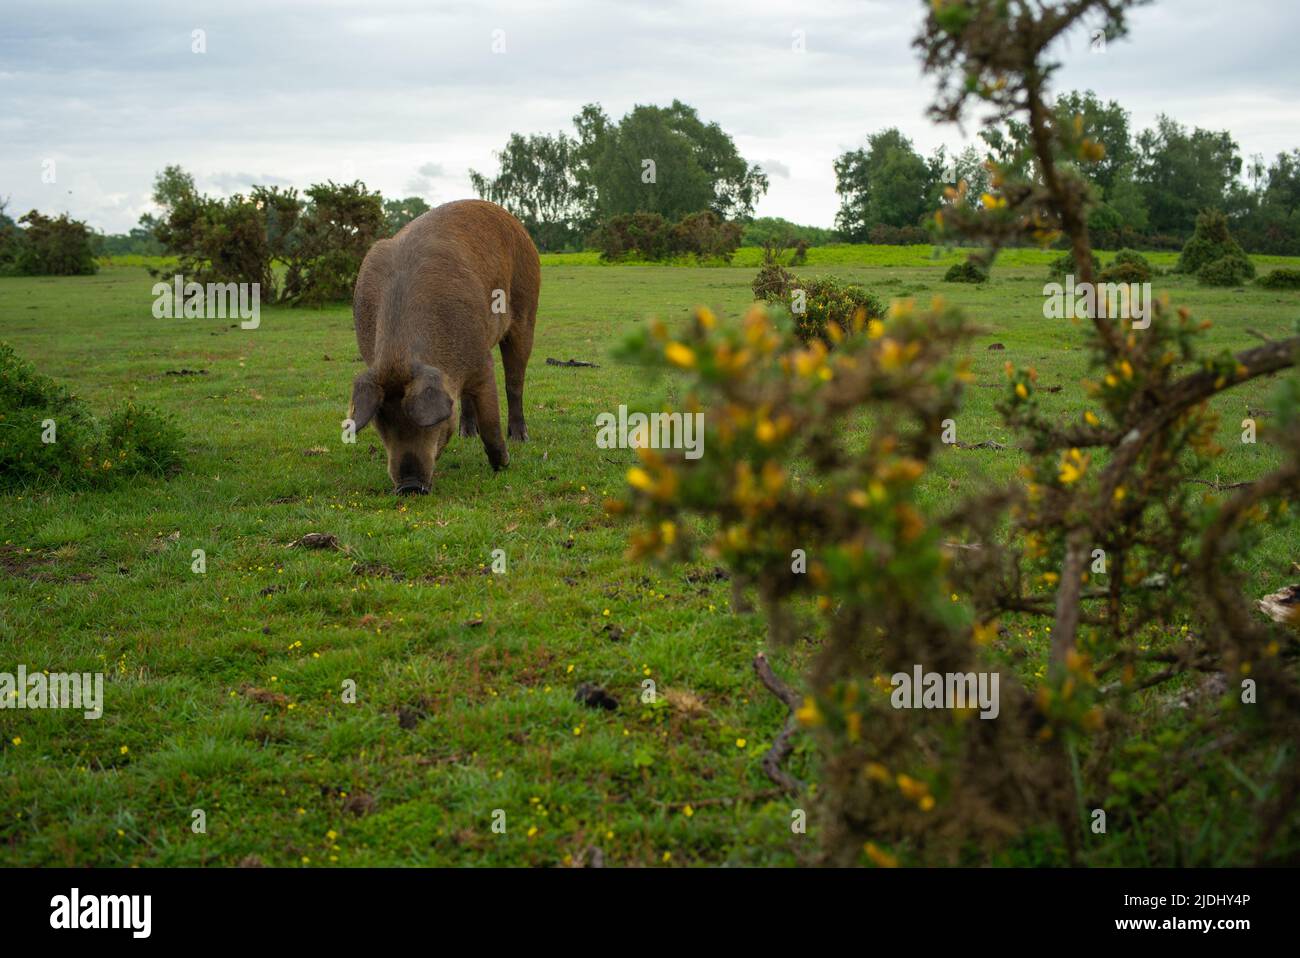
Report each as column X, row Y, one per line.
column 967, row 166
column 538, row 183
column 667, row 160
column 887, row 183
column 593, row 127
column 1182, row 172
column 1105, row 123
column 397, row 213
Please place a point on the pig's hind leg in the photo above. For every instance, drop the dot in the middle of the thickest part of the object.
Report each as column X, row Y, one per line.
column 468, row 422
column 515, row 350
column 484, row 401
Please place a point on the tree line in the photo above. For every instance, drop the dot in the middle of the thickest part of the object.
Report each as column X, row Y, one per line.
column 661, row 182
column 1146, row 189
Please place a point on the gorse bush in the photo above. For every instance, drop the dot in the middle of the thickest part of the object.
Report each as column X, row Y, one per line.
column 706, row 236
column 133, row 441
column 1228, row 271
column 1128, row 266
column 1067, row 265
column 816, row 305
column 1210, row 243
column 145, row 441
column 1281, row 279
column 28, row 401
column 339, row 223
column 967, row 271
column 1124, row 273
column 321, row 240
column 772, row 284
column 648, row 236
column 1105, row 542
column 50, row 246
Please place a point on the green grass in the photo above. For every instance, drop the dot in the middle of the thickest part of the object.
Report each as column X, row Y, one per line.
column 224, row 689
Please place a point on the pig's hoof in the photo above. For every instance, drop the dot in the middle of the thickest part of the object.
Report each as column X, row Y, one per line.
column 468, row 426
column 518, row 432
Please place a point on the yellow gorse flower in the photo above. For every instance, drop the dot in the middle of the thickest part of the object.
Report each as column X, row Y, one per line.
column 680, row 355
column 808, row 713
column 1072, row 467
column 881, row 858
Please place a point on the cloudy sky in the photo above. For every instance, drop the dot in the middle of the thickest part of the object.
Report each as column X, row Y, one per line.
column 408, row 96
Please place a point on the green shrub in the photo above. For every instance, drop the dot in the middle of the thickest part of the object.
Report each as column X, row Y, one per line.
column 1228, row 271
column 1064, row 265
column 648, row 236
column 340, row 222
column 132, row 441
column 706, row 236
column 815, row 303
column 1281, row 279
column 144, row 441
column 28, row 401
column 320, row 238
column 1210, row 243
column 1128, row 266
column 632, row 235
column 772, row 283
column 1124, row 273
column 968, row 271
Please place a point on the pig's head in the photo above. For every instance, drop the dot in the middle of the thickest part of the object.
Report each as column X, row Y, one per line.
column 413, row 416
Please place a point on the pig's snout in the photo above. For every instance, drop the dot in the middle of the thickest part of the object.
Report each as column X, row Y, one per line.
column 410, row 480
column 411, row 487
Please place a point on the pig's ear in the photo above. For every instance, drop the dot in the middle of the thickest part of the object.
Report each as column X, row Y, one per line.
column 366, row 397
column 426, row 401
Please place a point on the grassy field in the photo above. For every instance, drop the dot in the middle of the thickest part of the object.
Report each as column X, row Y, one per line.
column 224, row 688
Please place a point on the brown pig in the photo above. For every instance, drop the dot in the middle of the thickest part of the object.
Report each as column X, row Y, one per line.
column 429, row 306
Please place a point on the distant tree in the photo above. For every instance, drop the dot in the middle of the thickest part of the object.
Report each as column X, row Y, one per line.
column 172, row 187
column 1117, row 204
column 538, row 183
column 397, row 213
column 138, row 241
column 593, row 127
column 1107, row 124
column 888, row 184
column 1182, row 172
column 773, row 229
column 969, row 166
column 9, row 238
column 1271, row 222
column 667, row 160
column 54, row 246
column 663, row 160
column 1124, row 196
column 645, row 165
